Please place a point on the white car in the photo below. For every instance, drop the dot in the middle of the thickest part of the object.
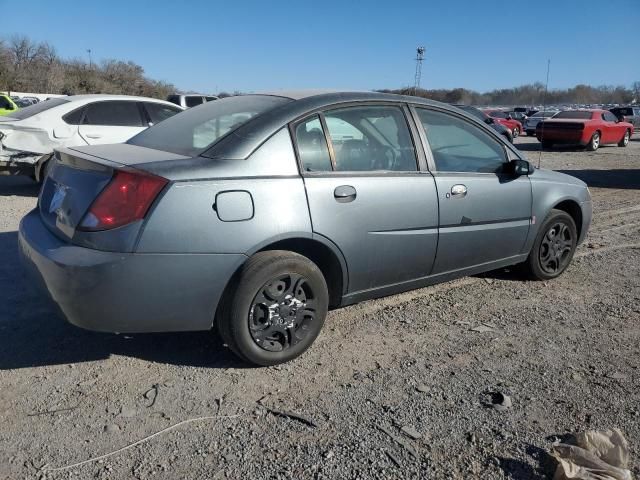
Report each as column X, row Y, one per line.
column 29, row 135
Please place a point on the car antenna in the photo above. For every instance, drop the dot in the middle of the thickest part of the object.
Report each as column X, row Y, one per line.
column 544, row 109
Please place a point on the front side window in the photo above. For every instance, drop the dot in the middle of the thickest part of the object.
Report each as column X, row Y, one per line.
column 371, row 138
column 114, row 114
column 459, row 146
column 312, row 146
column 609, row 117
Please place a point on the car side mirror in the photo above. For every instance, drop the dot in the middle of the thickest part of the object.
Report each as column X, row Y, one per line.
column 519, row 167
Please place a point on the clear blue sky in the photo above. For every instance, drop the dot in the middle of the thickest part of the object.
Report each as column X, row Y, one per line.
column 244, row 45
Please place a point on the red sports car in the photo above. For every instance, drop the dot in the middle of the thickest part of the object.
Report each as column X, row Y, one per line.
column 505, row 119
column 589, row 128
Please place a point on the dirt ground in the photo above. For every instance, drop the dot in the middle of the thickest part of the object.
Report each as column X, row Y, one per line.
column 393, row 388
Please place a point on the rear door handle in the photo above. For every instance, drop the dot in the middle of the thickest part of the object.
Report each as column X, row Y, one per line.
column 345, row 193
column 459, row 191
column 94, row 135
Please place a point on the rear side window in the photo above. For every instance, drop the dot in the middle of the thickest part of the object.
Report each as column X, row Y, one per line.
column 312, row 146
column 74, row 117
column 459, row 146
column 113, row 113
column 37, row 108
column 210, row 99
column 158, row 111
column 371, row 138
column 193, row 101
column 174, row 99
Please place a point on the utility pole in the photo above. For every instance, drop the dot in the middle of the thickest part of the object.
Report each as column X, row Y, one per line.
column 90, row 63
column 419, row 60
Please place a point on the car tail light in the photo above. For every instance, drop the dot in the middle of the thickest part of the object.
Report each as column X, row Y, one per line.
column 126, row 198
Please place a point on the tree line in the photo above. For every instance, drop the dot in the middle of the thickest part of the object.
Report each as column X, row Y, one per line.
column 532, row 94
column 27, row 66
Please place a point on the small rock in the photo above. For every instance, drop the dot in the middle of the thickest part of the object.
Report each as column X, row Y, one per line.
column 328, row 455
column 481, row 329
column 422, row 388
column 500, row 401
column 411, row 432
column 111, row 428
column 127, row 412
column 488, row 280
column 618, row 376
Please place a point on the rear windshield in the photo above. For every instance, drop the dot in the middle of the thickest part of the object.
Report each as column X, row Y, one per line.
column 575, row 114
column 39, row 107
column 197, row 129
column 622, row 111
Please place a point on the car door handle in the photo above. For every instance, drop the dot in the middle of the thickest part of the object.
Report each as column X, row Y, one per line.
column 459, row 191
column 345, row 193
column 94, row 135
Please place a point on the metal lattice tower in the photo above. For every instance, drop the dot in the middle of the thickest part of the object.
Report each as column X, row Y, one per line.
column 419, row 60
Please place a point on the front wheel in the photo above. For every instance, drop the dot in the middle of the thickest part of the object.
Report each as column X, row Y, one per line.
column 554, row 246
column 516, row 132
column 594, row 143
column 274, row 309
column 625, row 140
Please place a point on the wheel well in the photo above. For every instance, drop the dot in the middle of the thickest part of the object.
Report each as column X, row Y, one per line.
column 573, row 209
column 323, row 257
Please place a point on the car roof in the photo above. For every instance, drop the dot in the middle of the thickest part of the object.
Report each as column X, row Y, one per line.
column 103, row 96
column 302, row 104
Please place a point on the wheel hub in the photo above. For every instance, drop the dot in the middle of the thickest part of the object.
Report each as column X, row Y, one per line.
column 281, row 313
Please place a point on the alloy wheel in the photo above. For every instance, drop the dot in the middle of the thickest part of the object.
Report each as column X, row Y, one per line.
column 282, row 312
column 555, row 248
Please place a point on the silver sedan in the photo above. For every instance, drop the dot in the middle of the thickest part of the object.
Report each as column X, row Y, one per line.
column 256, row 214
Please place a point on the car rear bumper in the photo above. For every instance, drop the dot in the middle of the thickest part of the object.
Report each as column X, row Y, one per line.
column 125, row 292
column 563, row 137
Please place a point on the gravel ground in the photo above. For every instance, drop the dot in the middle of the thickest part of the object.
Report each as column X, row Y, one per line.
column 399, row 387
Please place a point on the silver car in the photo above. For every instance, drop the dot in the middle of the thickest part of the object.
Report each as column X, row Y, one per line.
column 531, row 122
column 256, row 214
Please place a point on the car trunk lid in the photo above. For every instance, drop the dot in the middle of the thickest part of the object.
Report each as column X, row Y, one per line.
column 73, row 183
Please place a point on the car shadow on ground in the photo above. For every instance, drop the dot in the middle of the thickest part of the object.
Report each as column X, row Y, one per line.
column 536, row 147
column 620, row 178
column 18, row 185
column 517, row 469
column 33, row 333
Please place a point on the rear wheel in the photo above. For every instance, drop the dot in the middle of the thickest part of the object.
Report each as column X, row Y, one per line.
column 275, row 308
column 594, row 143
column 625, row 140
column 554, row 246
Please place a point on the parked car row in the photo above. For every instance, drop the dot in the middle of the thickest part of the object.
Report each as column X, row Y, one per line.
column 29, row 136
column 507, row 120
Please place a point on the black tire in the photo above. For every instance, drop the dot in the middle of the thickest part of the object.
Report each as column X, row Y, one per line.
column 245, row 322
column 555, row 244
column 516, row 132
column 625, row 140
column 594, row 143
column 546, row 144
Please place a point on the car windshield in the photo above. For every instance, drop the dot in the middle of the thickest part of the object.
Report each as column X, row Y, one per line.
column 575, row 114
column 39, row 107
column 197, row 129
